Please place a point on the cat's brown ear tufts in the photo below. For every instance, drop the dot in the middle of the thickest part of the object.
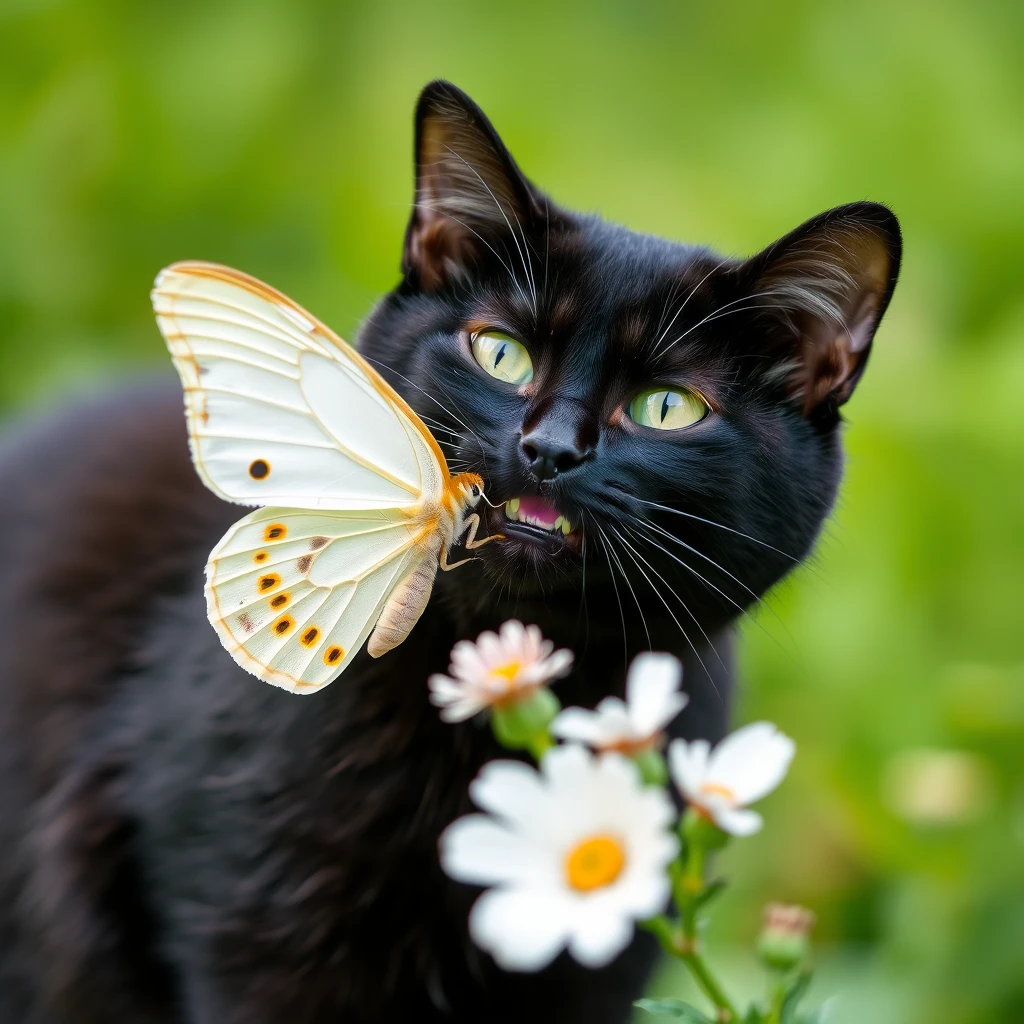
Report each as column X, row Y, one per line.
column 472, row 201
column 825, row 286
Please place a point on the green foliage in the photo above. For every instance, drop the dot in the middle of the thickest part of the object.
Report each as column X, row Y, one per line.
column 275, row 135
column 674, row 1009
column 789, row 1005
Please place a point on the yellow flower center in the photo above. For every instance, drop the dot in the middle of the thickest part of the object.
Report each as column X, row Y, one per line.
column 716, row 789
column 507, row 672
column 594, row 863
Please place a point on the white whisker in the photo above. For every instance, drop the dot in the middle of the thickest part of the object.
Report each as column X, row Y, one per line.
column 625, row 578
column 634, row 555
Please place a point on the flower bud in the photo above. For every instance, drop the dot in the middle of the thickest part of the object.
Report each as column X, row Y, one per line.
column 784, row 943
column 517, row 724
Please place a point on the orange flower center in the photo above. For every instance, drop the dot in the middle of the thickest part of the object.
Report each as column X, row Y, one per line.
column 630, row 748
column 594, row 863
column 717, row 789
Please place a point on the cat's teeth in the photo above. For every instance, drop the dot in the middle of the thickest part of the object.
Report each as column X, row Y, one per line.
column 512, row 511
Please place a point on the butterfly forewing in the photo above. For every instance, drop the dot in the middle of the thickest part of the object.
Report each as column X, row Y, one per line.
column 281, row 411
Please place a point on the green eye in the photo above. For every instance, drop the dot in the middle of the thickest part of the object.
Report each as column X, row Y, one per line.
column 503, row 357
column 668, row 408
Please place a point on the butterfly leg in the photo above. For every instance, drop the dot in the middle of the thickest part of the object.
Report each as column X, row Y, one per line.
column 473, row 522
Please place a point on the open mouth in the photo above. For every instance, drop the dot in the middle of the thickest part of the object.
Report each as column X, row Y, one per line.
column 537, row 512
column 535, row 519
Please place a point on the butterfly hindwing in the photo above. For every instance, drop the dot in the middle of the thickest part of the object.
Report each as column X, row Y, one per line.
column 294, row 593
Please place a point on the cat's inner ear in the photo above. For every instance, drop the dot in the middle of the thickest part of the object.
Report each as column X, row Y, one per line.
column 826, row 286
column 472, row 201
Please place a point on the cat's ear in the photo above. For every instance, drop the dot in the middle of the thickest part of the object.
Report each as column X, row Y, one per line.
column 472, row 201
column 824, row 288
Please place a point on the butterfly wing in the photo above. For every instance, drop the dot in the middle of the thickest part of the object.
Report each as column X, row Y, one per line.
column 280, row 410
column 294, row 593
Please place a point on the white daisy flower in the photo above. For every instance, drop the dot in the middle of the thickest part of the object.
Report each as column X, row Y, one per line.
column 576, row 852
column 653, row 699
column 499, row 668
column 720, row 784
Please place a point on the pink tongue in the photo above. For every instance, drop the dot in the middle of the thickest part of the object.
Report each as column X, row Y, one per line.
column 538, row 508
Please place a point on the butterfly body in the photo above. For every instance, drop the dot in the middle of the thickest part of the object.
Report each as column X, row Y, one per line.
column 442, row 527
column 357, row 506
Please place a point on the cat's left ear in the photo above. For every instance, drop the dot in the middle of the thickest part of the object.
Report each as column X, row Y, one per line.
column 824, row 288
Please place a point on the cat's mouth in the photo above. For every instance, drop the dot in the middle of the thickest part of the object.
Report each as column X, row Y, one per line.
column 534, row 520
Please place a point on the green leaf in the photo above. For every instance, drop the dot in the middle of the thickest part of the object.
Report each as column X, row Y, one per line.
column 754, row 1016
column 674, row 1008
column 797, row 991
column 816, row 1017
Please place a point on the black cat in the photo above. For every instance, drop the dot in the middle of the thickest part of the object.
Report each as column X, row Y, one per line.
column 180, row 842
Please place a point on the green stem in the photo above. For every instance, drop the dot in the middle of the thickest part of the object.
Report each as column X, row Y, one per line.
column 776, row 998
column 683, row 946
column 539, row 744
column 688, row 885
column 709, row 986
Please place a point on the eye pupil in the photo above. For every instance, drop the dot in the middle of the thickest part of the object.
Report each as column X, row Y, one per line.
column 501, row 355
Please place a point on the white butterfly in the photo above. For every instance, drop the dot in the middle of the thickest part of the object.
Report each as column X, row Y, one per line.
column 359, row 507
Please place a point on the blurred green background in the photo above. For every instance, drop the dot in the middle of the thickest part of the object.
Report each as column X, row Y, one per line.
column 275, row 135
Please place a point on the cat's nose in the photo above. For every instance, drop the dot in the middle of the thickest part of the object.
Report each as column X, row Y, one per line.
column 548, row 454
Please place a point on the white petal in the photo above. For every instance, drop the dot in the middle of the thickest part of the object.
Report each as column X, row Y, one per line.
column 578, row 724
column 643, row 894
column 515, row 792
column 466, row 662
column 555, row 666
column 460, row 710
column 444, row 690
column 523, row 929
column 599, row 934
column 651, row 724
column 737, row 821
column 568, row 769
column 654, row 807
column 752, row 761
column 652, row 690
column 514, row 635
column 618, row 771
column 616, row 718
column 687, row 765
column 491, row 649
column 532, row 643
column 478, row 850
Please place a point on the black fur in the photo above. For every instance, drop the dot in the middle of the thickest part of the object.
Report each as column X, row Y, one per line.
column 180, row 843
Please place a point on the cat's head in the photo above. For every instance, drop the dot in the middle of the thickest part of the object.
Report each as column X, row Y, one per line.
column 659, row 415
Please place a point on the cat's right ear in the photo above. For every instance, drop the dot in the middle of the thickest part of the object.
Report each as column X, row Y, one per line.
column 472, row 201
column 821, row 291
